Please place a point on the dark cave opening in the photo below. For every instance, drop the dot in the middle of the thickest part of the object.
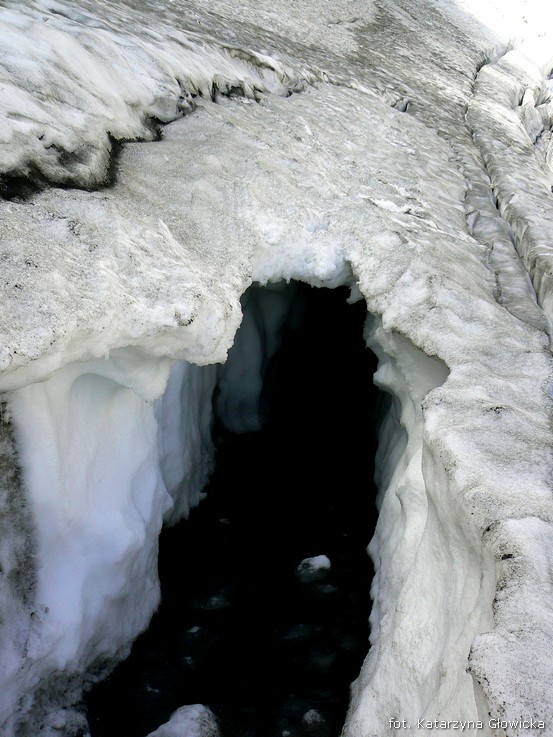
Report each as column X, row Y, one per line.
column 271, row 648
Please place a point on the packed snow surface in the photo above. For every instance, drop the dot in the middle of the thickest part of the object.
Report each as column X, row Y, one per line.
column 156, row 158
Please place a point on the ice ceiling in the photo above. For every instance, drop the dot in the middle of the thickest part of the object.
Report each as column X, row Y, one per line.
column 159, row 157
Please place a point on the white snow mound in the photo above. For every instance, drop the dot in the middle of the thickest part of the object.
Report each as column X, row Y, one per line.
column 189, row 721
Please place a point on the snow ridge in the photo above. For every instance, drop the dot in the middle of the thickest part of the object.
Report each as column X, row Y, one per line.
column 506, row 115
column 73, row 83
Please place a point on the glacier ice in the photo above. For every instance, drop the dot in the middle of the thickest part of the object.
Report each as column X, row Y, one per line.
column 402, row 152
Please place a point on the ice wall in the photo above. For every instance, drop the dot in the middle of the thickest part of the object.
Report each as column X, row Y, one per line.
column 240, row 378
column 431, row 576
column 107, row 449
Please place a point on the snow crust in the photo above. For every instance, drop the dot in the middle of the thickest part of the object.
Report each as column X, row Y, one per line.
column 413, row 166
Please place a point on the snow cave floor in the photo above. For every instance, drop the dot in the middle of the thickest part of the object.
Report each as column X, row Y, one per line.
column 270, row 650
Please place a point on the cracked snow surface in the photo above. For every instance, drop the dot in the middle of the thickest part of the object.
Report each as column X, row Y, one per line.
column 156, row 158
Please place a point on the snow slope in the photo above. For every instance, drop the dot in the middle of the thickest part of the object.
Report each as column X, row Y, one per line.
column 401, row 150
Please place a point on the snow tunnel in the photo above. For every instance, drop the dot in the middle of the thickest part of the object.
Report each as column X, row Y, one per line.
column 265, row 587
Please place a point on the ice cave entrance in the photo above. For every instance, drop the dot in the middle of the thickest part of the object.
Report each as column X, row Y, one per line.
column 268, row 643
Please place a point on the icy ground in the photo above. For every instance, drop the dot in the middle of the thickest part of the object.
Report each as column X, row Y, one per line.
column 401, row 149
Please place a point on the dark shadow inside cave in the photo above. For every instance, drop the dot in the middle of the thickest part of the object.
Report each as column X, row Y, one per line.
column 270, row 649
